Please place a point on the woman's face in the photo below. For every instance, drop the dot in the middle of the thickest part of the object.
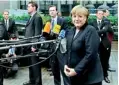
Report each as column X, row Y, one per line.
column 79, row 20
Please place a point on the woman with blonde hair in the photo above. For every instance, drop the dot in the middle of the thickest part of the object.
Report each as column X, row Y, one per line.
column 82, row 63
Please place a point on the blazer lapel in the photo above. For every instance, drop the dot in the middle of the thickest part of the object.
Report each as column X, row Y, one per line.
column 58, row 20
column 10, row 22
column 101, row 26
column 79, row 33
column 4, row 24
column 30, row 19
column 70, row 37
column 3, row 21
column 96, row 25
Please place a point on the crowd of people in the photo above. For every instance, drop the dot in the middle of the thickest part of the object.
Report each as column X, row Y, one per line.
column 88, row 45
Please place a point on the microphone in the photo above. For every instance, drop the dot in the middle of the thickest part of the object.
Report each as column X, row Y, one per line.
column 62, row 41
column 47, row 27
column 56, row 29
column 61, row 34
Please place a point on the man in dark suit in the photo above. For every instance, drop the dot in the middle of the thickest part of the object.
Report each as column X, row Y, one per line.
column 57, row 60
column 33, row 28
column 105, row 45
column 2, row 36
column 9, row 24
column 109, row 35
column 106, row 14
column 1, row 76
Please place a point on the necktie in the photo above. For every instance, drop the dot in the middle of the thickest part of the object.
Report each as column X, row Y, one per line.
column 6, row 24
column 99, row 23
column 52, row 24
column 29, row 19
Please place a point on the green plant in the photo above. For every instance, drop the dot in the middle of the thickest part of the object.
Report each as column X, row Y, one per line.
column 45, row 19
column 69, row 21
column 113, row 19
column 25, row 17
column 91, row 18
column 1, row 17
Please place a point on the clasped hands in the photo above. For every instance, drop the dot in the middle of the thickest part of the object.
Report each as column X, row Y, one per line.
column 69, row 71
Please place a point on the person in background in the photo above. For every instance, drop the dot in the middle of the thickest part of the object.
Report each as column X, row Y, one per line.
column 12, row 52
column 9, row 25
column 56, row 24
column 59, row 14
column 109, row 35
column 82, row 63
column 2, row 36
column 105, row 45
column 33, row 28
column 106, row 14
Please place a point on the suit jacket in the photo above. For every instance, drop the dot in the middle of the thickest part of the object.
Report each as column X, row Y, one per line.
column 107, row 21
column 82, row 54
column 111, row 33
column 105, row 28
column 34, row 27
column 3, row 32
column 12, row 29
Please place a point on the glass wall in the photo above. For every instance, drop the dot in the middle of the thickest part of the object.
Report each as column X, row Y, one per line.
column 65, row 6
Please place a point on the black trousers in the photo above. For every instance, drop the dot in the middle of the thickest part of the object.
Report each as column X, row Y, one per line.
column 99, row 83
column 1, row 70
column 57, row 66
column 1, row 76
column 35, row 71
column 104, row 54
column 35, row 76
column 78, row 80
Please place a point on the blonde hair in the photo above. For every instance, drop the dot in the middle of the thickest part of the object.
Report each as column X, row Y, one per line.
column 80, row 10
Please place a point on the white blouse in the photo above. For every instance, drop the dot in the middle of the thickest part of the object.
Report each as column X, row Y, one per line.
column 77, row 30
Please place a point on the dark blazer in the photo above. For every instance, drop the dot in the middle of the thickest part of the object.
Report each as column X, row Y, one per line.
column 12, row 29
column 34, row 26
column 105, row 28
column 3, row 32
column 107, row 21
column 111, row 33
column 82, row 55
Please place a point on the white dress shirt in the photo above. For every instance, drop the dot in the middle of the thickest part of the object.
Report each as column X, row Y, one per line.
column 77, row 30
column 6, row 24
column 98, row 23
